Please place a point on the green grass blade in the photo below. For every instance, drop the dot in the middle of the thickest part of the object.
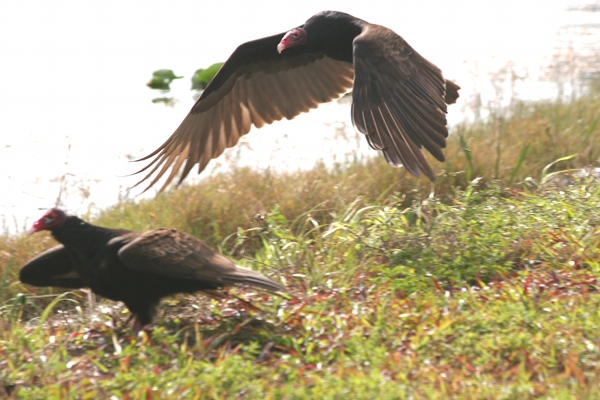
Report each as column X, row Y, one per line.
column 546, row 176
column 519, row 163
column 468, row 156
column 592, row 128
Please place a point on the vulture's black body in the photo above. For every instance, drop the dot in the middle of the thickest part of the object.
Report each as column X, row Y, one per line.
column 136, row 268
column 399, row 98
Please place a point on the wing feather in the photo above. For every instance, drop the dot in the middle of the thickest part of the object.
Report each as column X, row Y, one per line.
column 53, row 267
column 398, row 100
column 172, row 253
column 256, row 86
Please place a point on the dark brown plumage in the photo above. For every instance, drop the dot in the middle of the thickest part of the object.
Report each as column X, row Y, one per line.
column 135, row 268
column 398, row 97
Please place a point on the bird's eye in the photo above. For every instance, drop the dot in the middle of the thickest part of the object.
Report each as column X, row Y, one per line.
column 294, row 36
column 48, row 220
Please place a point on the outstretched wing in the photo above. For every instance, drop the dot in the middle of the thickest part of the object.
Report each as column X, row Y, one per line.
column 53, row 267
column 255, row 86
column 398, row 100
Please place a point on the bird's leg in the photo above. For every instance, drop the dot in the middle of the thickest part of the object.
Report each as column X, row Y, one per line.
column 137, row 324
column 141, row 332
column 91, row 300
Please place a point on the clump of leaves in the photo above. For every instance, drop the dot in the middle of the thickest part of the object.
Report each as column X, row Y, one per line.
column 202, row 77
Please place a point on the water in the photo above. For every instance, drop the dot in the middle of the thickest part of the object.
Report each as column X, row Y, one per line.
column 75, row 109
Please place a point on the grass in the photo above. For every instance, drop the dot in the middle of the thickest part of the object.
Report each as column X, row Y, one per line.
column 482, row 286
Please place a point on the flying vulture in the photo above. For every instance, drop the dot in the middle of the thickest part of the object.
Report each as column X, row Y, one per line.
column 137, row 268
column 398, row 97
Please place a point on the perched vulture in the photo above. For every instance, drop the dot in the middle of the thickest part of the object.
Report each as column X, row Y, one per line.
column 135, row 268
column 398, row 97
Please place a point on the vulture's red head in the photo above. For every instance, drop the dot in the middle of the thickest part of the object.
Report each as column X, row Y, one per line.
column 295, row 37
column 53, row 219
